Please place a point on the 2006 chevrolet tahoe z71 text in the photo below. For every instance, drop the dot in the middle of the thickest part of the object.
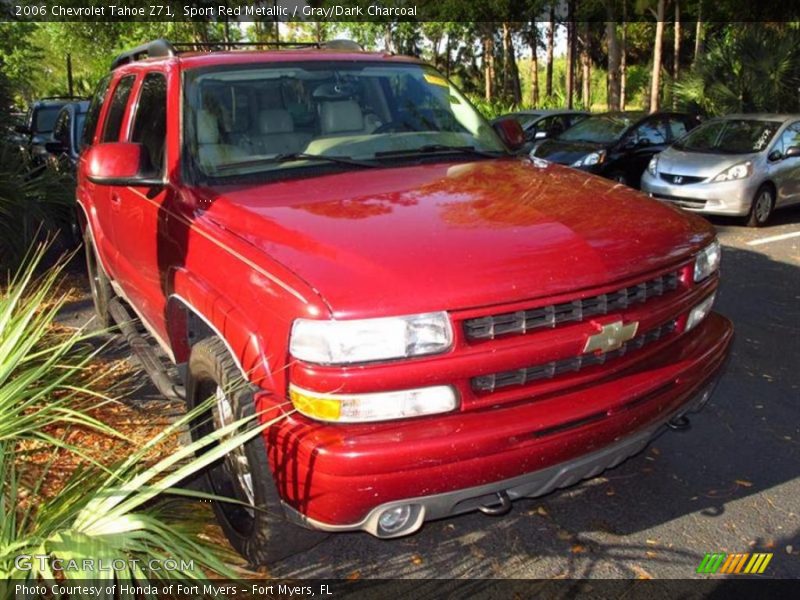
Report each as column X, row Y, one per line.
column 340, row 233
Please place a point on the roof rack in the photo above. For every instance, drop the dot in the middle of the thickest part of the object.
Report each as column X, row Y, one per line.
column 157, row 48
column 162, row 48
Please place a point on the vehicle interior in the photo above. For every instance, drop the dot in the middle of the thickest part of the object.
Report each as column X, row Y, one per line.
column 357, row 111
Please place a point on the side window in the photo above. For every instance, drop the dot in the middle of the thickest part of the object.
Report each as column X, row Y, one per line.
column 677, row 128
column 150, row 122
column 61, row 129
column 651, row 133
column 116, row 111
column 94, row 112
column 790, row 137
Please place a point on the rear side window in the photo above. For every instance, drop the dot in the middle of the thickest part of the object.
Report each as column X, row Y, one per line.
column 116, row 111
column 150, row 124
column 94, row 111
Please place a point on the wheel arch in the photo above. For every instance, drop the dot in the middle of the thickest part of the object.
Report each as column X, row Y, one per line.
column 189, row 321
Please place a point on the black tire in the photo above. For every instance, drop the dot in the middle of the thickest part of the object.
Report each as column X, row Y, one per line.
column 261, row 536
column 102, row 292
column 762, row 206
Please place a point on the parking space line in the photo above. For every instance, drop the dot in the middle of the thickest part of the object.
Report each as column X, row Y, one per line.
column 774, row 238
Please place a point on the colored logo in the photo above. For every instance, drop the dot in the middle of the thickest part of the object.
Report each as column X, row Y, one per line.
column 734, row 564
column 611, row 337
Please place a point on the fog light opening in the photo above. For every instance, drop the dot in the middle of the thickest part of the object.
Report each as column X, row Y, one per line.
column 397, row 519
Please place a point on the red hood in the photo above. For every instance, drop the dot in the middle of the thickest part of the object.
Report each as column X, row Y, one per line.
column 454, row 236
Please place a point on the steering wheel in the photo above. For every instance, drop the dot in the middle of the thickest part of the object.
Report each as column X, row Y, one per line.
column 395, row 127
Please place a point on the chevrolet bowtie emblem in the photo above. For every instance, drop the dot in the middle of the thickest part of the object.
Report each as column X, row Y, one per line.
column 611, row 337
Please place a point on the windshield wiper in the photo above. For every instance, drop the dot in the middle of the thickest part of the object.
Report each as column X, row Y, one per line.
column 439, row 149
column 293, row 156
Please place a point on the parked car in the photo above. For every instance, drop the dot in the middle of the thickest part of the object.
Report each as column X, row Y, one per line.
column 616, row 145
column 543, row 124
column 65, row 141
column 38, row 126
column 741, row 165
column 63, row 150
column 338, row 238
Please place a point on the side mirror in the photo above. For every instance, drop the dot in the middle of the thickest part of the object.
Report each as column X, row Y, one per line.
column 121, row 163
column 774, row 156
column 792, row 152
column 54, row 147
column 510, row 131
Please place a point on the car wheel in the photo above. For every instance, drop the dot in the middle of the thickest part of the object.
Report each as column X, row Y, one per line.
column 255, row 526
column 102, row 292
column 761, row 208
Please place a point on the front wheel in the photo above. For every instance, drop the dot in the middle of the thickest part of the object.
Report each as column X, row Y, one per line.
column 255, row 526
column 761, row 209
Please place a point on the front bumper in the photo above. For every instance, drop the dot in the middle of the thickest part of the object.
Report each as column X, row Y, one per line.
column 732, row 198
column 342, row 478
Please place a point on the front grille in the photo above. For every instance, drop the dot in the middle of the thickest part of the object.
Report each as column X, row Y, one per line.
column 490, row 383
column 523, row 321
column 681, row 179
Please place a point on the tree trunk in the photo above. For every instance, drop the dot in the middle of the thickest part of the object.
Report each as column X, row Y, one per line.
column 447, row 57
column 488, row 67
column 506, row 59
column 586, row 67
column 613, row 83
column 534, row 68
column 623, row 58
column 676, row 55
column 548, row 84
column 516, row 88
column 698, row 36
column 655, row 80
column 571, row 47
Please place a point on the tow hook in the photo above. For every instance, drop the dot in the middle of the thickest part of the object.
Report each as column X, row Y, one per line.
column 499, row 509
column 680, row 423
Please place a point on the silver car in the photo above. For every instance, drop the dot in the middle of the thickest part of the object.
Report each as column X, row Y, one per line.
column 741, row 165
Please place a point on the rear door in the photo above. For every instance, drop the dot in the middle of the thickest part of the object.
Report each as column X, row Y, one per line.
column 786, row 171
column 141, row 211
column 94, row 198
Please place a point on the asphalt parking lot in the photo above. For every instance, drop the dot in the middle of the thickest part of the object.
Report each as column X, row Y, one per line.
column 730, row 484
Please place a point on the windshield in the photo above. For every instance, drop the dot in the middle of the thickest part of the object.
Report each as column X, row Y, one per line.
column 45, row 119
column 729, row 136
column 601, row 129
column 247, row 120
column 525, row 120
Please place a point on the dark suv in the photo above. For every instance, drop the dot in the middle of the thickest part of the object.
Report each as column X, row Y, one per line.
column 38, row 126
column 616, row 145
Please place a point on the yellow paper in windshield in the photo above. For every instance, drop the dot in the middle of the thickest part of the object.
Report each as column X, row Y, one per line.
column 435, row 80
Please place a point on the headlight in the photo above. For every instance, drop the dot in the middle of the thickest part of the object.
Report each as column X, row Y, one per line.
column 380, row 406
column 652, row 166
column 735, row 172
column 364, row 340
column 595, row 158
column 707, row 261
column 700, row 312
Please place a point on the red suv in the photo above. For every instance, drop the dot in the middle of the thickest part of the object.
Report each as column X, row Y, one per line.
column 340, row 236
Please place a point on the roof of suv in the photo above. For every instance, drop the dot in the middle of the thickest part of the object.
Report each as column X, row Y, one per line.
column 229, row 57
